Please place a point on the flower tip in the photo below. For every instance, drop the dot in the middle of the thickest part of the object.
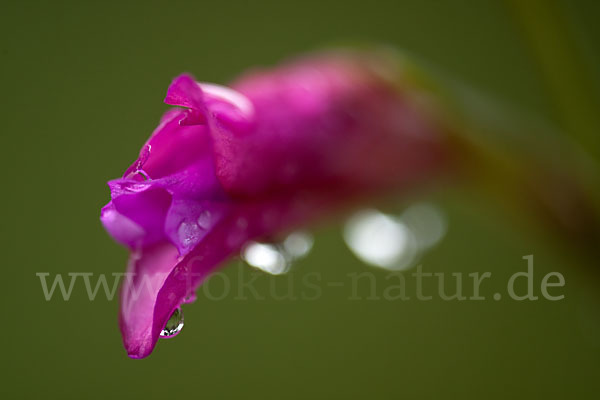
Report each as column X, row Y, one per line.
column 184, row 92
column 140, row 348
column 121, row 228
column 137, row 355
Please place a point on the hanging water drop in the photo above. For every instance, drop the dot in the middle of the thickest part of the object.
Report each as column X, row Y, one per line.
column 174, row 325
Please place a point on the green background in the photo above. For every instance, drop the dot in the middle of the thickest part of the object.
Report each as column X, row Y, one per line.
column 83, row 84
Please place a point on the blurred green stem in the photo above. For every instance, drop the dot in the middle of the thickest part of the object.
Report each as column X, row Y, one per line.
column 565, row 74
column 512, row 159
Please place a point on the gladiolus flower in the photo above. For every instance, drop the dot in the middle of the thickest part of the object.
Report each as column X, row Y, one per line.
column 276, row 150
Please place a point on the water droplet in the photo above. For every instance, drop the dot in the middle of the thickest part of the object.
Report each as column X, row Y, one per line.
column 188, row 233
column 277, row 258
column 266, row 257
column 143, row 174
column 190, row 298
column 380, row 240
column 204, row 219
column 174, row 325
column 427, row 223
column 298, row 244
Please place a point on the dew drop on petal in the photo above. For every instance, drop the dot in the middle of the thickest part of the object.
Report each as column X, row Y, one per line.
column 204, row 219
column 188, row 233
column 190, row 298
column 143, row 174
column 174, row 325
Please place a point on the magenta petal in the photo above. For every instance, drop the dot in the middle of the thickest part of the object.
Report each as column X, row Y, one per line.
column 121, row 228
column 321, row 123
column 143, row 319
column 148, row 209
column 172, row 147
column 184, row 91
column 179, row 208
column 219, row 106
column 190, row 220
column 229, row 109
column 146, row 273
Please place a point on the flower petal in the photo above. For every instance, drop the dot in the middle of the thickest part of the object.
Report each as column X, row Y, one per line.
column 319, row 124
column 121, row 228
column 184, row 91
column 147, row 209
column 146, row 274
column 171, row 148
column 166, row 280
column 219, row 106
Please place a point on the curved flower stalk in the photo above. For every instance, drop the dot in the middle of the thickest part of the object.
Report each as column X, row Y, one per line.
column 276, row 150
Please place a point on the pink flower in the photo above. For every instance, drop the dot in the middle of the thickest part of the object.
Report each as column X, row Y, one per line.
column 276, row 151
